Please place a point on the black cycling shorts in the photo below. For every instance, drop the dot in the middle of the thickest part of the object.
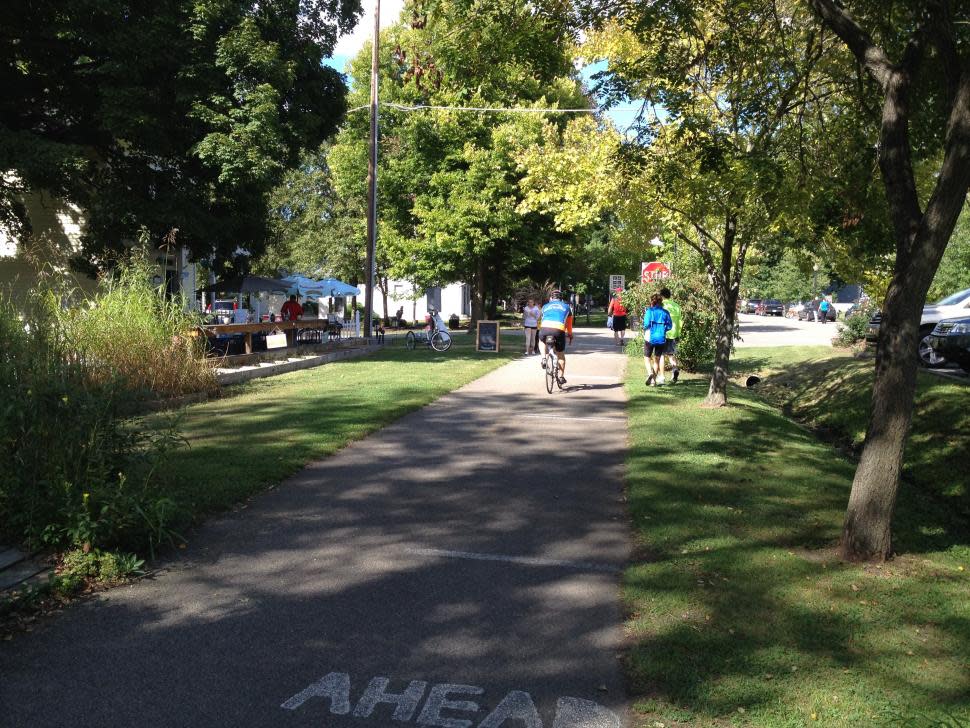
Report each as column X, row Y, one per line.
column 559, row 336
column 654, row 349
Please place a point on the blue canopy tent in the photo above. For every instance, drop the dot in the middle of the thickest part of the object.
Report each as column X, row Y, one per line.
column 308, row 287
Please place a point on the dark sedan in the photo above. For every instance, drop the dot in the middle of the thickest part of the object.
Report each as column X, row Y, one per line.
column 810, row 309
column 950, row 339
column 773, row 307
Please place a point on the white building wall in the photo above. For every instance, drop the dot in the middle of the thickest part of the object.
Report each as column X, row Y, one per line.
column 454, row 300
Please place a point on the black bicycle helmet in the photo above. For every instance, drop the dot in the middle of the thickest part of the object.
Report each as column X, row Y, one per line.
column 555, row 295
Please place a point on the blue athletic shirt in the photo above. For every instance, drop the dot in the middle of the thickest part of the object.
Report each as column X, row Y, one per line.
column 557, row 315
column 657, row 322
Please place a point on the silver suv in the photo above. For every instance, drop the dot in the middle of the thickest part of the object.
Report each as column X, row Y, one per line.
column 953, row 306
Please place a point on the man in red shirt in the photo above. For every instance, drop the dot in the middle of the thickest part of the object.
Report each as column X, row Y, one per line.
column 617, row 310
column 291, row 310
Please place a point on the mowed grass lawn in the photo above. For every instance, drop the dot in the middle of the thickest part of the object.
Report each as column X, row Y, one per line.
column 263, row 431
column 832, row 393
column 739, row 612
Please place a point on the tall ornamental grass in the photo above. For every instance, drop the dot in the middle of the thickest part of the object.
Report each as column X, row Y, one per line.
column 132, row 331
column 76, row 470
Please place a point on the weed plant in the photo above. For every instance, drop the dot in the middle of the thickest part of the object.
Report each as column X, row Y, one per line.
column 75, row 469
column 132, row 331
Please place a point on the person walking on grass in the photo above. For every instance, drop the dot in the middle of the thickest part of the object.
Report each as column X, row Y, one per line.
column 530, row 322
column 656, row 324
column 617, row 310
column 676, row 318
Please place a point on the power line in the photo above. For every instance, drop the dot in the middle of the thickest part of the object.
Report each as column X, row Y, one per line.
column 496, row 109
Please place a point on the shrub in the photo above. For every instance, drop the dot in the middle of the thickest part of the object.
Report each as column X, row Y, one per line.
column 75, row 470
column 853, row 330
column 699, row 307
column 133, row 331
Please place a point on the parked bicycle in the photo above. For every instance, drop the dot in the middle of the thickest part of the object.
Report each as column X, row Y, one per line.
column 438, row 338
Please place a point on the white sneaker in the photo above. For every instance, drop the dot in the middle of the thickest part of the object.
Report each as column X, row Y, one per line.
column 661, row 381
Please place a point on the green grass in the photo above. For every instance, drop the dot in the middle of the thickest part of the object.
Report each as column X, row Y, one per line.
column 268, row 429
column 739, row 612
column 833, row 394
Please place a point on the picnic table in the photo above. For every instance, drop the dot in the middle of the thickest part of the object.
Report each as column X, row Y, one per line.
column 290, row 328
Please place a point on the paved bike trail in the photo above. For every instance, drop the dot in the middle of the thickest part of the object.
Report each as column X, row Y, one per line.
column 458, row 568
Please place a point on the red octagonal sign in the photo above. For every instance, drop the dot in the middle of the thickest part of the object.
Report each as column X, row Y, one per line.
column 653, row 271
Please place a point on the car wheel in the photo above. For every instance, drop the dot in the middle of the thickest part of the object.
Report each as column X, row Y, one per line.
column 927, row 356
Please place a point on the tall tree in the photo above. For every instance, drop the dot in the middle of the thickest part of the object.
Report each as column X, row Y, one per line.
column 448, row 180
column 918, row 54
column 175, row 117
column 717, row 164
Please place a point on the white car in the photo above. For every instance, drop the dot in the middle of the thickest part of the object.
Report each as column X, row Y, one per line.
column 953, row 306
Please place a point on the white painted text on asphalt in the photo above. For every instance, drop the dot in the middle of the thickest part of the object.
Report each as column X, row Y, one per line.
column 446, row 702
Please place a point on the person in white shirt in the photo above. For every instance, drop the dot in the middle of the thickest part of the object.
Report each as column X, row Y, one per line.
column 530, row 320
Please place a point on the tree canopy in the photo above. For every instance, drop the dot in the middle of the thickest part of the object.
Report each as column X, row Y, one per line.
column 175, row 118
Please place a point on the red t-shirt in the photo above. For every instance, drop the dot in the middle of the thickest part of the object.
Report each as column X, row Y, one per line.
column 291, row 311
column 616, row 308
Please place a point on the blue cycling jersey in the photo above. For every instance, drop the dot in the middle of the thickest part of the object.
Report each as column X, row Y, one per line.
column 557, row 315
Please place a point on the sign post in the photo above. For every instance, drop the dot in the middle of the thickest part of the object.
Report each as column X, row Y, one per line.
column 653, row 271
column 617, row 283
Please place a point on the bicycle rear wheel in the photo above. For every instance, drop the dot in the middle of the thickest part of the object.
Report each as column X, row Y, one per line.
column 439, row 342
column 550, row 372
column 409, row 340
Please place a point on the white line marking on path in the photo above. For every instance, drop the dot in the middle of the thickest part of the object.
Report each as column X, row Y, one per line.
column 618, row 420
column 524, row 560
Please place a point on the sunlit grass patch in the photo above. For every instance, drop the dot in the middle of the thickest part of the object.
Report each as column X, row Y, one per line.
column 740, row 614
column 266, row 430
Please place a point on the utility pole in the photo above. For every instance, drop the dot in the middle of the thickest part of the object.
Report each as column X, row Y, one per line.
column 372, row 179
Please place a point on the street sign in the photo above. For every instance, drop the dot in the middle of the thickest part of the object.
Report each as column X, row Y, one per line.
column 653, row 271
column 617, row 283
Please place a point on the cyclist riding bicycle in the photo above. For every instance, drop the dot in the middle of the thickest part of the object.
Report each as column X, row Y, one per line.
column 556, row 320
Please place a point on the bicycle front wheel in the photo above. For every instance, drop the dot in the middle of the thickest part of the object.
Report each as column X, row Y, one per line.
column 550, row 372
column 409, row 340
column 440, row 342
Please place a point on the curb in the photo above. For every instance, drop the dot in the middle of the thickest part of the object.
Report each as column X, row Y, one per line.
column 226, row 378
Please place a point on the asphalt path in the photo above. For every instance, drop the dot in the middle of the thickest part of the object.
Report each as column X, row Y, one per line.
column 781, row 331
column 458, row 568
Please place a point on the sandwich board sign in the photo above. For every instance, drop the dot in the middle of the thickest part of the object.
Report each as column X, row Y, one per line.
column 653, row 271
column 617, row 283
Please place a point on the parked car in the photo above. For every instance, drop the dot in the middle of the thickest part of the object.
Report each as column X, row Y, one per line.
column 752, row 305
column 955, row 305
column 772, row 307
column 808, row 312
column 950, row 339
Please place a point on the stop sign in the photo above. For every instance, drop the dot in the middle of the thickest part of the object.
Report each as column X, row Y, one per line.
column 653, row 271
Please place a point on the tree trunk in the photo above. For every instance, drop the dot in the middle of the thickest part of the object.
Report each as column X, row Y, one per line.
column 866, row 531
column 383, row 286
column 717, row 392
column 495, row 285
column 478, row 294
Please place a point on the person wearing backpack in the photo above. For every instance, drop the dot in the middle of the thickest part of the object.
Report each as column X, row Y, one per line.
column 618, row 311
